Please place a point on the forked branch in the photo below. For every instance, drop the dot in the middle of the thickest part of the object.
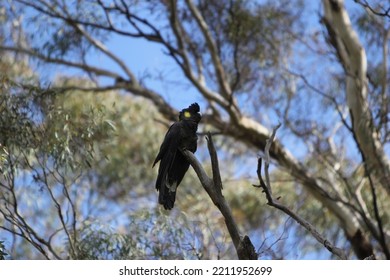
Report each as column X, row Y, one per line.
column 266, row 186
column 213, row 187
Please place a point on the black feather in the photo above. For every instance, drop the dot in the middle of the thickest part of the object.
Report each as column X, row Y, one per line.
column 173, row 165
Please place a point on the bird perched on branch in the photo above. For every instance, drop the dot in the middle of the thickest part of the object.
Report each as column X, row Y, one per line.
column 173, row 165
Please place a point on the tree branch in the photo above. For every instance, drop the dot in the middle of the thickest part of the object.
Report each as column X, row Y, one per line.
column 87, row 68
column 198, row 80
column 266, row 186
column 366, row 5
column 100, row 46
column 213, row 187
column 220, row 73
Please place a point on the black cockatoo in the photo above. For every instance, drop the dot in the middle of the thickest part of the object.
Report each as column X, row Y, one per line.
column 180, row 136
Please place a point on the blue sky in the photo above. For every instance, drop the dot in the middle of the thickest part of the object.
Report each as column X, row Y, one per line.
column 148, row 59
column 145, row 58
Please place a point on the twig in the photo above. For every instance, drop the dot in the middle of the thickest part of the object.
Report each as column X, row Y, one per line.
column 385, row 13
column 266, row 186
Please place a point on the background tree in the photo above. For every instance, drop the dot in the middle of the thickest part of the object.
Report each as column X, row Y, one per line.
column 249, row 65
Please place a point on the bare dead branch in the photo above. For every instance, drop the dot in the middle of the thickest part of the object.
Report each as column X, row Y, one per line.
column 266, row 186
column 213, row 187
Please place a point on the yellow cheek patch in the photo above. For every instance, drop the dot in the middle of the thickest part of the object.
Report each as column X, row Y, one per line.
column 187, row 114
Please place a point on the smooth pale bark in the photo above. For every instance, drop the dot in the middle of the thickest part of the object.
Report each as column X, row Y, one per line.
column 354, row 61
column 352, row 57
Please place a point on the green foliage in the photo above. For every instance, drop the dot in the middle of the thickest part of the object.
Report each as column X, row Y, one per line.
column 75, row 146
column 260, row 31
column 119, row 131
column 131, row 150
column 49, row 140
column 252, row 36
column 145, row 238
column 73, row 129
